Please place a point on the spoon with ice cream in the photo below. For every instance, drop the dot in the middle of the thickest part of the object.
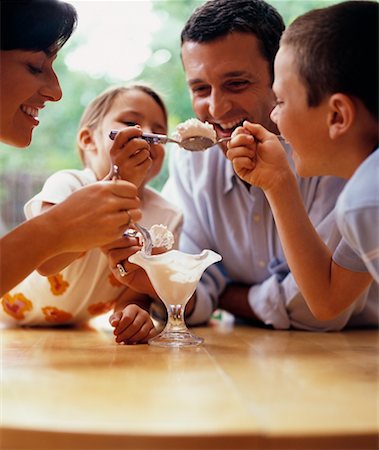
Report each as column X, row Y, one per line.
column 192, row 135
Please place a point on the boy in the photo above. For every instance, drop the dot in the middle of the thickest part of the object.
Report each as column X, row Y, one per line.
column 326, row 85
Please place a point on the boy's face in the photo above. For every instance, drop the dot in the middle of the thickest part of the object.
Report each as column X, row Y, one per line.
column 229, row 82
column 131, row 108
column 303, row 127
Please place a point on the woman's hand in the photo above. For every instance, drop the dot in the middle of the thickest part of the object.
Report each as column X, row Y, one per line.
column 92, row 216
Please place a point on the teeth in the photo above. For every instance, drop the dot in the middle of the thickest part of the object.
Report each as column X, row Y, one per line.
column 231, row 125
column 30, row 111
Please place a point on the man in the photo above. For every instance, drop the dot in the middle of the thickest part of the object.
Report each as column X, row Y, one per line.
column 228, row 50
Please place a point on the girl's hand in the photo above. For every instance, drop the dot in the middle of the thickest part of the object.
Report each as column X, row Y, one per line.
column 257, row 156
column 136, row 277
column 132, row 325
column 131, row 155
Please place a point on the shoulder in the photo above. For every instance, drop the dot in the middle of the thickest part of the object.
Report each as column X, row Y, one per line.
column 72, row 177
column 362, row 190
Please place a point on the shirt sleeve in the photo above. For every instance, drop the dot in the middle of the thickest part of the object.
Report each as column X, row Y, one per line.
column 57, row 188
column 277, row 301
column 359, row 251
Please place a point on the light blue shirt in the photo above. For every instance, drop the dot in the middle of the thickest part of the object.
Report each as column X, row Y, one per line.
column 357, row 215
column 222, row 213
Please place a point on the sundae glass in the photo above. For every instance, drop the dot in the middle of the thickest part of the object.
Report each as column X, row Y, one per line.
column 174, row 276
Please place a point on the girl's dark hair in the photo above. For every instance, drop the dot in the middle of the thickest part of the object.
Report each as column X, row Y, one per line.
column 217, row 18
column 36, row 25
column 336, row 50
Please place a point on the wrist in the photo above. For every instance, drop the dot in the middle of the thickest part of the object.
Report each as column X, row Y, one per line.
column 283, row 186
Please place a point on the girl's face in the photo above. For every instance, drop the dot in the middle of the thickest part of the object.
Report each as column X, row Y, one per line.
column 27, row 82
column 133, row 107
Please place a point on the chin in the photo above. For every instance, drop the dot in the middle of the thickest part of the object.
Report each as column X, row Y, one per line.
column 18, row 142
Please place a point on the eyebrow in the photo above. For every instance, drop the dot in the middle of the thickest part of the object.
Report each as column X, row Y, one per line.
column 232, row 74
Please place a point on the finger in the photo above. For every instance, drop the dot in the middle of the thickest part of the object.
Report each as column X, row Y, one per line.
column 128, row 316
column 242, row 140
column 135, row 214
column 238, row 130
column 259, row 132
column 142, row 335
column 240, row 152
column 131, row 328
column 242, row 163
column 121, row 188
column 121, row 243
column 125, row 135
column 121, row 255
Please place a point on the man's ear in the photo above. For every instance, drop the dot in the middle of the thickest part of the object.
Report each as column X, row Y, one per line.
column 341, row 115
column 86, row 141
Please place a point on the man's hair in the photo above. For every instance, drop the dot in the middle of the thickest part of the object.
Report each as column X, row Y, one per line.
column 36, row 25
column 217, row 18
column 336, row 50
column 99, row 107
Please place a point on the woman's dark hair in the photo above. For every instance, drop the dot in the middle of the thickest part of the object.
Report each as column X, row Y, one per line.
column 336, row 50
column 36, row 25
column 217, row 18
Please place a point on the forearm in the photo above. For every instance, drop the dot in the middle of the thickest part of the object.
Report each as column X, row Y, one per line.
column 235, row 300
column 25, row 248
column 57, row 263
column 129, row 296
column 309, row 259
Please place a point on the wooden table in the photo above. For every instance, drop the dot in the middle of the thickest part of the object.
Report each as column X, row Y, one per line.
column 244, row 388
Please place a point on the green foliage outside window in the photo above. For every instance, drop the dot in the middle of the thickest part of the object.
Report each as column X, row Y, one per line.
column 54, row 146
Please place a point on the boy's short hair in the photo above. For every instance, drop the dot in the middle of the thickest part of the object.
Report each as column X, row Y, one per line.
column 97, row 109
column 336, row 50
column 217, row 18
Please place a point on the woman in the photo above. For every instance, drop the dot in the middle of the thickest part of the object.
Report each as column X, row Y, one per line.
column 32, row 33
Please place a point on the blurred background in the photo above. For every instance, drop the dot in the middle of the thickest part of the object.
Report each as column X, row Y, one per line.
column 116, row 42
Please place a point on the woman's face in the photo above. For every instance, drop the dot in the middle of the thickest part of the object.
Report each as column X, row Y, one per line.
column 27, row 82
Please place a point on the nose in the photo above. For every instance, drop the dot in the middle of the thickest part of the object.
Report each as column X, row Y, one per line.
column 218, row 104
column 274, row 115
column 51, row 88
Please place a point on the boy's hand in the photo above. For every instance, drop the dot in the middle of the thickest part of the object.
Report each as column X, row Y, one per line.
column 132, row 325
column 257, row 156
column 131, row 155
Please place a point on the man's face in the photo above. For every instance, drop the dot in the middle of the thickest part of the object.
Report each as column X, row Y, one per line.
column 229, row 82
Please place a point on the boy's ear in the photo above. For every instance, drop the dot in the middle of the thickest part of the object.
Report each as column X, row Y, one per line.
column 341, row 115
column 85, row 140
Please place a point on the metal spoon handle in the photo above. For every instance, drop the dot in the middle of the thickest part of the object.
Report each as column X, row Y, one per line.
column 151, row 138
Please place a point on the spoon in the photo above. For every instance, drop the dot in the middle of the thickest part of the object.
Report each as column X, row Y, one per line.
column 192, row 144
column 147, row 240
